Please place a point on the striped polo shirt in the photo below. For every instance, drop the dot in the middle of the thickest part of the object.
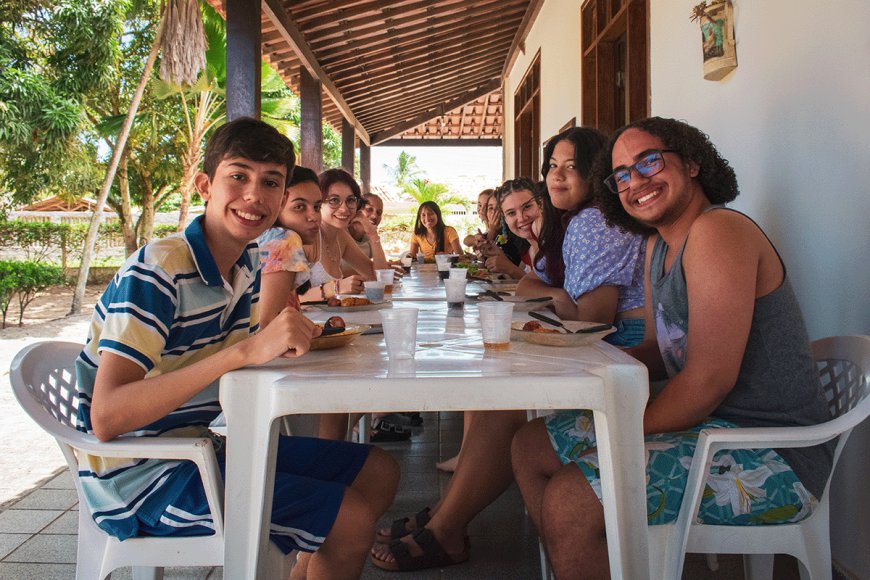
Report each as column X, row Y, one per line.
column 166, row 308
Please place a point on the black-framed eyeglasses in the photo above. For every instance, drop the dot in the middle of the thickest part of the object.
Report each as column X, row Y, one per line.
column 351, row 202
column 650, row 164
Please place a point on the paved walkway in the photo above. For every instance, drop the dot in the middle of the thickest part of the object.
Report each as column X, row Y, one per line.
column 28, row 455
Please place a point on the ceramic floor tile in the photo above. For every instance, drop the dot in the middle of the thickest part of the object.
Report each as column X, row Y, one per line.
column 68, row 523
column 8, row 543
column 20, row 571
column 26, row 521
column 63, row 480
column 48, row 499
column 60, row 548
column 179, row 573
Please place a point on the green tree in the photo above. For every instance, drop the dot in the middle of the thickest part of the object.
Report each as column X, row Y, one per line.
column 404, row 170
column 23, row 280
column 55, row 56
column 424, row 190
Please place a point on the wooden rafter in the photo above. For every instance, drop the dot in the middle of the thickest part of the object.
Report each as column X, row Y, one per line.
column 400, row 68
column 291, row 34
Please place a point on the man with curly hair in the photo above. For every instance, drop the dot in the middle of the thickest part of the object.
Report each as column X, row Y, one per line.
column 723, row 327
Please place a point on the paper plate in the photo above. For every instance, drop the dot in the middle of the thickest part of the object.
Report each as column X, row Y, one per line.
column 560, row 338
column 340, row 339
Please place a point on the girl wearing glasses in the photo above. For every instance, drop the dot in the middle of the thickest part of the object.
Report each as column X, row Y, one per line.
column 603, row 265
column 341, row 197
column 431, row 236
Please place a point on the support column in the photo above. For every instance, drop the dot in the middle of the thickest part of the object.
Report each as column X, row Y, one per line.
column 365, row 167
column 311, row 131
column 347, row 143
column 243, row 59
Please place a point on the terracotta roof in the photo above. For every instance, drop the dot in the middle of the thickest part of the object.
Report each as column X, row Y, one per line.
column 422, row 69
column 58, row 204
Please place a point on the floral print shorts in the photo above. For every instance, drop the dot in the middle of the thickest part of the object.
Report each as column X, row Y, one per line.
column 743, row 487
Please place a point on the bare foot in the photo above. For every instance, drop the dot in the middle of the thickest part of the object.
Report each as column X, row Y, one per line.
column 448, row 465
column 300, row 569
column 421, row 550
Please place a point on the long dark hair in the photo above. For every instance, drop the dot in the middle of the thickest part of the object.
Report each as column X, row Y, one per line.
column 420, row 229
column 550, row 238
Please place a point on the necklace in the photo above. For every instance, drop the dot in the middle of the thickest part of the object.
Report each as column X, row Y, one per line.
column 332, row 252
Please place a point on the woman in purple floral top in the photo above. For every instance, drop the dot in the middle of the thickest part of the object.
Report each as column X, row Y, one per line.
column 603, row 266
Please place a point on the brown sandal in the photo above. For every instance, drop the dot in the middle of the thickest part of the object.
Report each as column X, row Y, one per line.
column 399, row 528
column 433, row 555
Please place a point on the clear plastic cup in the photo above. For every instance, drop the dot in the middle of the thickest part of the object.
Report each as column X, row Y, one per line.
column 400, row 332
column 421, row 258
column 454, row 289
column 495, row 324
column 442, row 261
column 458, row 272
column 386, row 276
column 374, row 290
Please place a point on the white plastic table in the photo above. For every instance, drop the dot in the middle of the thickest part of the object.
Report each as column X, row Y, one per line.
column 451, row 372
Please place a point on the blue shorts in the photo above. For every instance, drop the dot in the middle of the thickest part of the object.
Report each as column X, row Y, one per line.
column 311, row 476
column 743, row 486
column 629, row 332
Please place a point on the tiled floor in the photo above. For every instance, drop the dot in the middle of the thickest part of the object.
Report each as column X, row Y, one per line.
column 38, row 531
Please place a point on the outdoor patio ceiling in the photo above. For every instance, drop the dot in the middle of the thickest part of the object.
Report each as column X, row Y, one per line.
column 409, row 69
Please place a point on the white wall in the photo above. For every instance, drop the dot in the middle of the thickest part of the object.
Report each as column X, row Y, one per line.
column 556, row 32
column 794, row 121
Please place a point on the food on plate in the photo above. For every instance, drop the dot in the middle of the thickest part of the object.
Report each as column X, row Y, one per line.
column 333, row 301
column 535, row 326
column 348, row 301
column 335, row 322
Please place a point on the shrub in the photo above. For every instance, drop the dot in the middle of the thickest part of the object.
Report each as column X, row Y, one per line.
column 23, row 280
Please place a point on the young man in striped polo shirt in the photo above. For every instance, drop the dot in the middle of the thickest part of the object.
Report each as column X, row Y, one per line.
column 180, row 313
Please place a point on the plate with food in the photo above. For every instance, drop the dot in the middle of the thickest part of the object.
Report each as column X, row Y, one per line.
column 521, row 303
column 537, row 333
column 337, row 334
column 353, row 304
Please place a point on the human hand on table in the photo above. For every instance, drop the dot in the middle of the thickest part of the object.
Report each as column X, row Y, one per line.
column 351, row 285
column 288, row 335
column 499, row 263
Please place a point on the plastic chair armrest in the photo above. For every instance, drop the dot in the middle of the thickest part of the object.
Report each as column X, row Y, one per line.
column 199, row 450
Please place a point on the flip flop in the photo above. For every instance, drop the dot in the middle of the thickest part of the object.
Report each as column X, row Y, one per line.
column 399, row 528
column 433, row 555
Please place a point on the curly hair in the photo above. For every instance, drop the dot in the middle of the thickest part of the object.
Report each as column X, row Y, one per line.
column 715, row 175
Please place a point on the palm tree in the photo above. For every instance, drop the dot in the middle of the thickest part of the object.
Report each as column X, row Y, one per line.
column 404, row 170
column 424, row 190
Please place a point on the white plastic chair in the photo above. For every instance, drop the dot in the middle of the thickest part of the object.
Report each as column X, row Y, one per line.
column 843, row 363
column 43, row 380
